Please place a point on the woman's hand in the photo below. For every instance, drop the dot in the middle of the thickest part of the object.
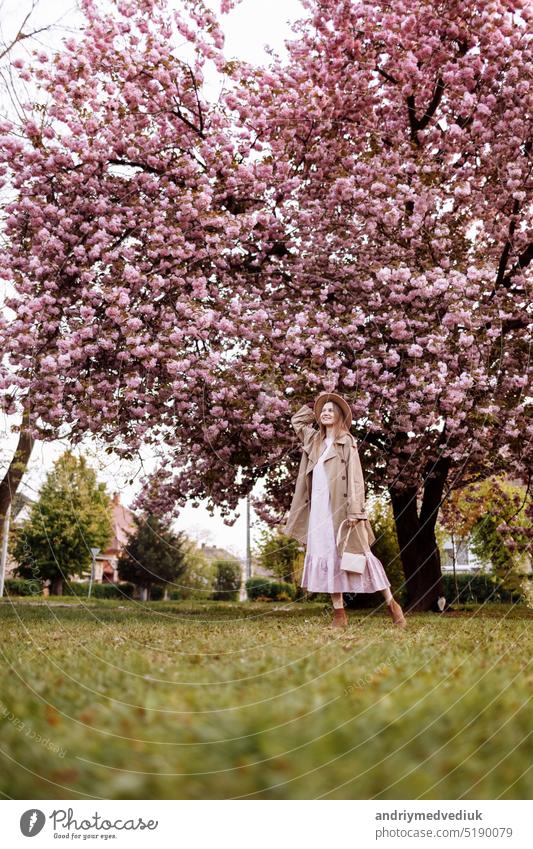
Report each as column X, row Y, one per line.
column 352, row 521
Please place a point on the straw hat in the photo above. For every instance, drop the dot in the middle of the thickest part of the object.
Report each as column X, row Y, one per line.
column 338, row 399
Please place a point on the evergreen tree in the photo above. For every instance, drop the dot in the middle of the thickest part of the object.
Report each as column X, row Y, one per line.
column 153, row 555
column 71, row 516
column 227, row 580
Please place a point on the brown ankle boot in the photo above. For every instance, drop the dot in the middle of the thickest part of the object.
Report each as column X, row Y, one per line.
column 396, row 612
column 340, row 620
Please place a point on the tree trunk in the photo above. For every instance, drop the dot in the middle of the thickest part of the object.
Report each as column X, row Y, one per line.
column 416, row 537
column 18, row 465
column 56, row 586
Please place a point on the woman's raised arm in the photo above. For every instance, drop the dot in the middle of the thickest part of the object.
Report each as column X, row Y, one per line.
column 301, row 422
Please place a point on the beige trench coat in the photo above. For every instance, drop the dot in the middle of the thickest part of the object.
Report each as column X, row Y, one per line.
column 346, row 484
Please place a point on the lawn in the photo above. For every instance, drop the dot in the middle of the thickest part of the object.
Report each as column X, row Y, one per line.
column 214, row 701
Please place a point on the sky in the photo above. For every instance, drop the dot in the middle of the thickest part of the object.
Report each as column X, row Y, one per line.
column 248, row 28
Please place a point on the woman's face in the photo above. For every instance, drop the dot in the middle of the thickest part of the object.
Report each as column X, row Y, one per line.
column 329, row 415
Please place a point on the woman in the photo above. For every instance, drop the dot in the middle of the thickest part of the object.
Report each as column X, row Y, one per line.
column 330, row 489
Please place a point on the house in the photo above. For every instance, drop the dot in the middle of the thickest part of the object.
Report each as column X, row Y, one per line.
column 213, row 552
column 461, row 554
column 123, row 525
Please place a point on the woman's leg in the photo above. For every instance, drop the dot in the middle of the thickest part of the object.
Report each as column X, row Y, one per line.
column 395, row 609
column 388, row 595
column 340, row 620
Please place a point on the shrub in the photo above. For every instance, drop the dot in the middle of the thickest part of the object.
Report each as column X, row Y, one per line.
column 175, row 595
column 282, row 591
column 479, row 588
column 23, row 586
column 476, row 588
column 227, row 580
column 321, row 598
column 262, row 589
column 254, row 587
column 105, row 590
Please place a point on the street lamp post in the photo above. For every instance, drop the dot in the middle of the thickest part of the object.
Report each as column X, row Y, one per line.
column 94, row 553
column 248, row 546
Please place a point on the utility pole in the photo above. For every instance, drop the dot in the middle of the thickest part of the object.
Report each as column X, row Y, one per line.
column 94, row 553
column 248, row 547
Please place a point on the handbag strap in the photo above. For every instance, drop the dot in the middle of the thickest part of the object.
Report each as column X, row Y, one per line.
column 341, row 550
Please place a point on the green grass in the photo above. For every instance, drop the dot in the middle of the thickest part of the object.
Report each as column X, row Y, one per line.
column 214, row 701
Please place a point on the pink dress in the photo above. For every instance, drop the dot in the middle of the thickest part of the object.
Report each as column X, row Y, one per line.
column 322, row 572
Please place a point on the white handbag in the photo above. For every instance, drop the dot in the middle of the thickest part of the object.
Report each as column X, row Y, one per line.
column 350, row 562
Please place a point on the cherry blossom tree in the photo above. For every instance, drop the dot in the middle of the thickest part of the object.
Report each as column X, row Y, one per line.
column 354, row 218
column 396, row 153
column 123, row 232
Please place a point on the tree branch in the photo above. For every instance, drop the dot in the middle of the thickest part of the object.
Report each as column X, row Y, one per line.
column 386, row 75
column 502, row 265
column 417, row 124
column 523, row 261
